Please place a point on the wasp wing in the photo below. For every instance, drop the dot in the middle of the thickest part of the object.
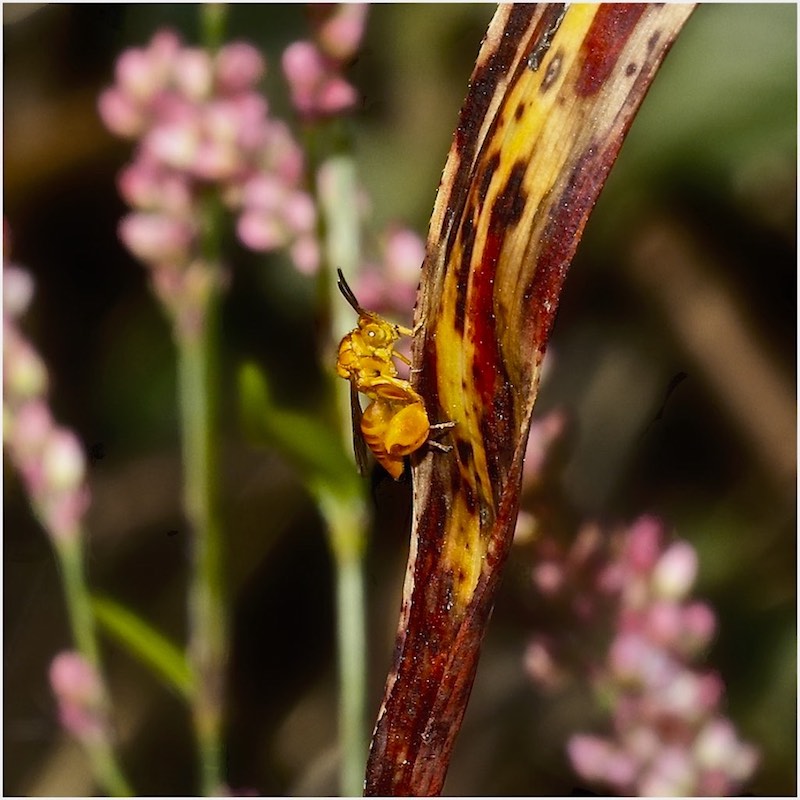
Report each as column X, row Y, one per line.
column 359, row 445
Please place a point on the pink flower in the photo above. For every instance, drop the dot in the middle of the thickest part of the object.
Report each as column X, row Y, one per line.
column 305, row 254
column 643, row 544
column 675, row 572
column 667, row 734
column 238, row 67
column 193, row 74
column 24, row 372
column 120, row 113
column 260, row 232
column 340, row 35
column 316, row 88
column 157, row 238
column 17, row 290
column 78, row 690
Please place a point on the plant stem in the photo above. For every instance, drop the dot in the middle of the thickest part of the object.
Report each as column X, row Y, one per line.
column 346, row 521
column 213, row 17
column 345, row 516
column 105, row 766
column 198, row 387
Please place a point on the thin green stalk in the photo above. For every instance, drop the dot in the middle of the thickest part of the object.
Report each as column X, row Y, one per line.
column 198, row 355
column 102, row 757
column 346, row 521
column 213, row 18
column 198, row 387
column 345, row 516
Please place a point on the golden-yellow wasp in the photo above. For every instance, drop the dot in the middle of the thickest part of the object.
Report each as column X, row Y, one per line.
column 395, row 423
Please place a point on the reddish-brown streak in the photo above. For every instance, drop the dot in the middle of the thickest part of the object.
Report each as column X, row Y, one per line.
column 609, row 31
column 483, row 86
column 461, row 268
column 488, row 369
column 560, row 239
column 426, row 382
column 485, row 180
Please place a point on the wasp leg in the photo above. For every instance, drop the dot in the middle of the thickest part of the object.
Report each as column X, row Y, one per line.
column 443, row 426
column 436, row 430
column 442, row 448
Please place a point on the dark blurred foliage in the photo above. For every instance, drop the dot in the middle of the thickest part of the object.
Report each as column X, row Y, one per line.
column 702, row 204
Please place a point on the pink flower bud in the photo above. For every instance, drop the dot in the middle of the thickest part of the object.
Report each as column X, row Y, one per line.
column 174, row 143
column 340, row 35
column 680, row 698
column 77, row 688
column 633, row 660
column 62, row 513
column 63, row 462
column 147, row 187
column 541, row 666
column 138, row 75
column 643, row 544
column 404, row 253
column 283, row 156
column 216, row 161
column 163, row 48
column 305, row 71
column 304, row 253
column 672, row 774
column 588, row 755
column 24, row 372
column 264, row 192
column 699, row 624
column 718, row 747
column 710, row 691
column 594, row 758
column 156, row 238
column 303, row 66
column 238, row 67
column 220, row 120
column 334, row 96
column 300, row 213
column 548, row 577
column 252, row 125
column 675, row 571
column 17, row 290
column 193, row 73
column 120, row 114
column 260, row 232
column 664, row 622
column 31, row 429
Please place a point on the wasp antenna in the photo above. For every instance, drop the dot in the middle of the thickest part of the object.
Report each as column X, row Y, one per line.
column 345, row 289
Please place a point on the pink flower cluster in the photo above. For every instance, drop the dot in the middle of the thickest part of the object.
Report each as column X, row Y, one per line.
column 79, row 692
column 668, row 736
column 313, row 69
column 48, row 457
column 201, row 125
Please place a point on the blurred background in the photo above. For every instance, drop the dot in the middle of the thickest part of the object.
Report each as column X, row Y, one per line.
column 674, row 353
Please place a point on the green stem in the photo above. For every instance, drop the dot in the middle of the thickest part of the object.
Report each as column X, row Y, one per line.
column 346, row 520
column 198, row 388
column 345, row 516
column 102, row 757
column 212, row 25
